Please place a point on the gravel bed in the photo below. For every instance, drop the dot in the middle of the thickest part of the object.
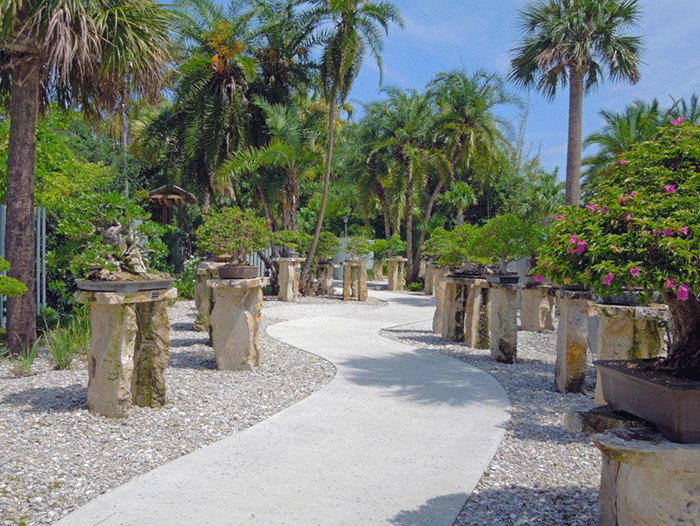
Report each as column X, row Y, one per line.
column 541, row 474
column 55, row 455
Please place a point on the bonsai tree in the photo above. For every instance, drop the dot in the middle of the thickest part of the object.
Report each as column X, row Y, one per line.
column 115, row 233
column 289, row 239
column 449, row 248
column 641, row 231
column 232, row 233
column 358, row 246
column 383, row 248
column 325, row 249
column 503, row 239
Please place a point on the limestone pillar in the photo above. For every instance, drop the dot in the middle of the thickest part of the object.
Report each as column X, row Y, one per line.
column 378, row 270
column 396, row 271
column 477, row 322
column 202, row 294
column 504, row 329
column 647, row 480
column 325, row 278
column 439, row 289
column 432, row 274
column 288, row 278
column 129, row 350
column 454, row 310
column 536, row 309
column 572, row 341
column 627, row 333
column 235, row 321
column 355, row 279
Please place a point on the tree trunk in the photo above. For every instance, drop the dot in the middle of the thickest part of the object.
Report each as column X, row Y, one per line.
column 381, row 195
column 19, row 231
column 409, row 221
column 684, row 356
column 413, row 276
column 324, row 196
column 291, row 196
column 573, row 147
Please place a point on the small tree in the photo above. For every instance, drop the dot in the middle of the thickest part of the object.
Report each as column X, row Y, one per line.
column 503, row 239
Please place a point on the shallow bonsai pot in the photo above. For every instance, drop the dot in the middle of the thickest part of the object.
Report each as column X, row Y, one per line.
column 238, row 272
column 674, row 409
column 123, row 285
column 503, row 279
column 288, row 253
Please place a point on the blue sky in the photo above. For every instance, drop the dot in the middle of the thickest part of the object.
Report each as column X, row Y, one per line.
column 443, row 35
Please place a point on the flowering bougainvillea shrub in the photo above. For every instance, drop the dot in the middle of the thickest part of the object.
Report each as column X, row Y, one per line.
column 641, row 231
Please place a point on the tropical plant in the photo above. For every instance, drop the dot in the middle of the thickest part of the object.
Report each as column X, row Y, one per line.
column 9, row 286
column 82, row 51
column 460, row 196
column 573, row 41
column 358, row 246
column 450, row 249
column 355, row 29
column 233, row 233
column 640, row 231
column 186, row 279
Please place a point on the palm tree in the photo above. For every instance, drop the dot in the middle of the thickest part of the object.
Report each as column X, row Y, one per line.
column 355, row 29
column 572, row 41
column 81, row 51
column 460, row 195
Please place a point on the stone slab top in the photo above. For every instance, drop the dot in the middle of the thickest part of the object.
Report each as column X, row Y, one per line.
column 354, row 262
column 465, row 279
column 397, row 258
column 653, row 311
column 649, row 449
column 210, row 265
column 238, row 283
column 119, row 298
column 295, row 260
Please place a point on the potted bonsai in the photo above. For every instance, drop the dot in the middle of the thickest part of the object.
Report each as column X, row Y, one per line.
column 382, row 248
column 357, row 246
column 229, row 234
column 640, row 231
column 289, row 241
column 451, row 249
column 503, row 239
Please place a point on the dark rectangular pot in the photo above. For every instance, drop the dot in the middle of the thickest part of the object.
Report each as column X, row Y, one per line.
column 238, row 272
column 674, row 410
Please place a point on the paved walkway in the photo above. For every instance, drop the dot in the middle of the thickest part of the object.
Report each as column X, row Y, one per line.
column 400, row 437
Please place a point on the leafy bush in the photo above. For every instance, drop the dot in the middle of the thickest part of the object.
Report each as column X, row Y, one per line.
column 449, row 248
column 10, row 286
column 233, row 232
column 185, row 281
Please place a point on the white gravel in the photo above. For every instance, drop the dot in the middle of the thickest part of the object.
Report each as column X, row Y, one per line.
column 55, row 455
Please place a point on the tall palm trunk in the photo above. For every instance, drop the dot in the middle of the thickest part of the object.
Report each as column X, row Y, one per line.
column 409, row 221
column 324, row 195
column 291, row 196
column 19, row 230
column 573, row 148
column 413, row 275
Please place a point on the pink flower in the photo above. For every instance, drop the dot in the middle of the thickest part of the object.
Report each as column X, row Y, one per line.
column 670, row 188
column 683, row 292
column 628, row 217
column 621, row 200
column 573, row 239
column 546, row 265
column 645, row 232
column 538, row 278
column 668, row 232
column 657, row 232
column 634, row 271
column 669, row 284
column 676, row 122
column 683, row 230
column 580, row 247
column 604, row 210
column 591, row 207
column 607, row 280
column 557, row 218
column 630, row 195
column 623, row 162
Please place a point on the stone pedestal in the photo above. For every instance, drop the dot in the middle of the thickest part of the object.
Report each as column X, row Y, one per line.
column 288, row 278
column 324, row 273
column 206, row 270
column 504, row 324
column 627, row 333
column 477, row 322
column 537, row 309
column 378, row 270
column 572, row 341
column 647, row 480
column 355, row 280
column 465, row 311
column 433, row 273
column 396, row 271
column 235, row 321
column 438, row 317
column 129, row 350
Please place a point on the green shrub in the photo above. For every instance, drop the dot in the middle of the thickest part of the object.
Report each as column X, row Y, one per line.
column 185, row 281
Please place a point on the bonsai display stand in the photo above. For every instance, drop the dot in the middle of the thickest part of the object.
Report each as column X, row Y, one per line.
column 504, row 322
column 572, row 341
column 324, row 276
column 433, row 273
column 464, row 311
column 396, row 267
column 206, row 270
column 288, row 278
column 537, row 309
column 378, row 269
column 355, row 279
column 647, row 480
column 129, row 349
column 627, row 333
column 234, row 322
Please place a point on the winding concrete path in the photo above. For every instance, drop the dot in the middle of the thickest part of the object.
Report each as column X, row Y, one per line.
column 400, row 436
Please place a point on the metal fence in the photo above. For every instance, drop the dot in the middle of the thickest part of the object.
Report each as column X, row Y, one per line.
column 39, row 264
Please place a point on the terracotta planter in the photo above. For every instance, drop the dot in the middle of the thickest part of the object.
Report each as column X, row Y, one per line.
column 238, row 272
column 673, row 409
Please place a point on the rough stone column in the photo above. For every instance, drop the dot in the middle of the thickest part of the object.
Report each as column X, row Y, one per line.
column 454, row 309
column 129, row 349
column 377, row 270
column 439, row 289
column 647, row 480
column 536, row 309
column 325, row 277
column 235, row 321
column 396, row 278
column 433, row 273
column 355, row 279
column 477, row 323
column 203, row 300
column 627, row 333
column 504, row 330
column 572, row 341
column 288, row 278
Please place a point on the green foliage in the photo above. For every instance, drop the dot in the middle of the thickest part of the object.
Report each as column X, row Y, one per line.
column 504, row 238
column 287, row 238
column 325, row 249
column 358, row 246
column 449, row 248
column 233, row 232
column 641, row 228
column 185, row 281
column 22, row 363
column 10, row 286
column 382, row 248
column 47, row 319
column 416, row 286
